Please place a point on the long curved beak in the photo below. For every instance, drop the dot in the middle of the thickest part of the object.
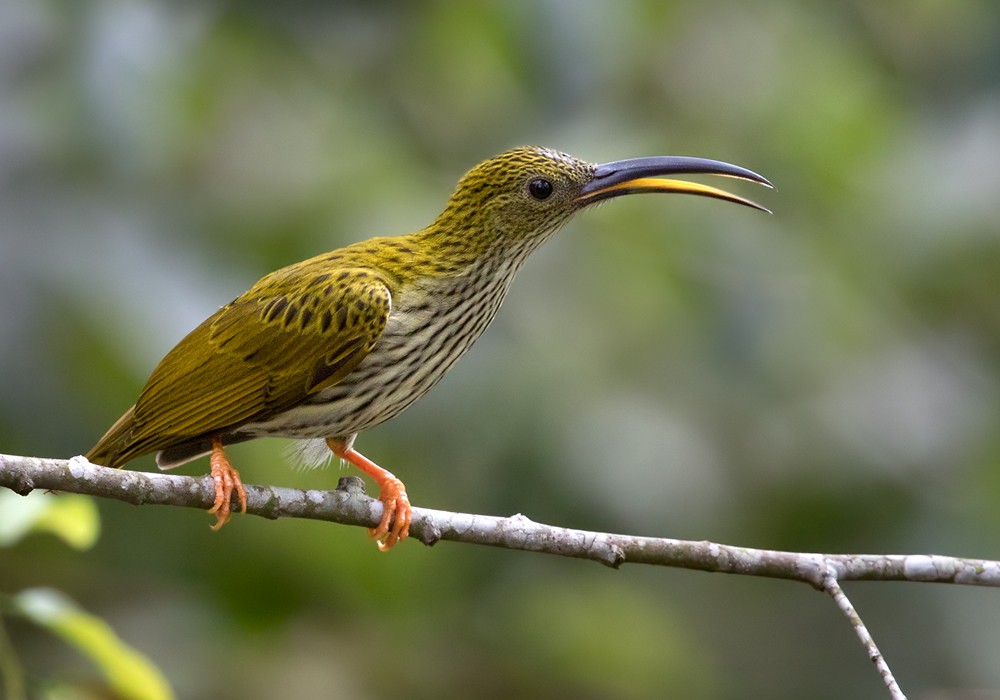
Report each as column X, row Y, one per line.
column 637, row 175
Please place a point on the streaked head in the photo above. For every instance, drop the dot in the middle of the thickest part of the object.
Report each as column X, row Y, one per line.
column 528, row 192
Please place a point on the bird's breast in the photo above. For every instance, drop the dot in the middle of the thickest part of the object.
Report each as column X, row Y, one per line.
column 433, row 322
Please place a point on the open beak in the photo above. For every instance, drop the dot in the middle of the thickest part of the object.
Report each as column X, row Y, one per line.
column 637, row 175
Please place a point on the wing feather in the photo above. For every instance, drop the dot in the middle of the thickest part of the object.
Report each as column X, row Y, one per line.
column 295, row 333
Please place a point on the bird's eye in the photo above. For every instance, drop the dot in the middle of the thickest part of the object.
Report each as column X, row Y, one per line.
column 540, row 188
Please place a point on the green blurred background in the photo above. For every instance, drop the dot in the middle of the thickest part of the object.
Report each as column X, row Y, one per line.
column 824, row 379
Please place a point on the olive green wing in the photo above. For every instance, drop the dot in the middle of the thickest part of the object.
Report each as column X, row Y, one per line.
column 292, row 335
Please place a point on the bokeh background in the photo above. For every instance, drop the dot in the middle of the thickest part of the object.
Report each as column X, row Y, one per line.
column 823, row 379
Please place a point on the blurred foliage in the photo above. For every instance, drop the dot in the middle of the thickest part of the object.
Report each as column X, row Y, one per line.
column 72, row 518
column 827, row 378
column 126, row 673
column 129, row 675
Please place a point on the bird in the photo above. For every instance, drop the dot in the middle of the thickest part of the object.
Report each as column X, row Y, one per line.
column 332, row 346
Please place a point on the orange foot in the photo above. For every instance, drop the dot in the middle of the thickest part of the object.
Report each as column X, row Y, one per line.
column 396, row 506
column 226, row 481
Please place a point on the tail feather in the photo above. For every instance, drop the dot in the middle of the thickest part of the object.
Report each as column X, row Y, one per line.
column 183, row 452
column 125, row 441
column 176, row 455
column 112, row 450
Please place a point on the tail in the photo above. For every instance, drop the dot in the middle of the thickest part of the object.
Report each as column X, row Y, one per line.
column 125, row 441
column 176, row 455
column 113, row 450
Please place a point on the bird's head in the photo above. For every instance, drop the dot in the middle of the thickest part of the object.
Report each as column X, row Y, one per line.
column 527, row 193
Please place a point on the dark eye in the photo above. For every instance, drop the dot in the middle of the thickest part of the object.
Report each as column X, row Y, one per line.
column 540, row 188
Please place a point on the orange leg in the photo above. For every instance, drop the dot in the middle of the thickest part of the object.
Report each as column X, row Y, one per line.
column 392, row 493
column 226, row 480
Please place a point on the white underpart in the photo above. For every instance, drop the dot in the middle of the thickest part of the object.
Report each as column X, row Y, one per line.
column 308, row 454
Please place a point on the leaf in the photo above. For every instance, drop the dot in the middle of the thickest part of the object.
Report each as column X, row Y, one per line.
column 71, row 517
column 129, row 673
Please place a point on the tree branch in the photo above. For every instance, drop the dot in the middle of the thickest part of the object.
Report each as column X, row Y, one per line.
column 832, row 586
column 350, row 505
